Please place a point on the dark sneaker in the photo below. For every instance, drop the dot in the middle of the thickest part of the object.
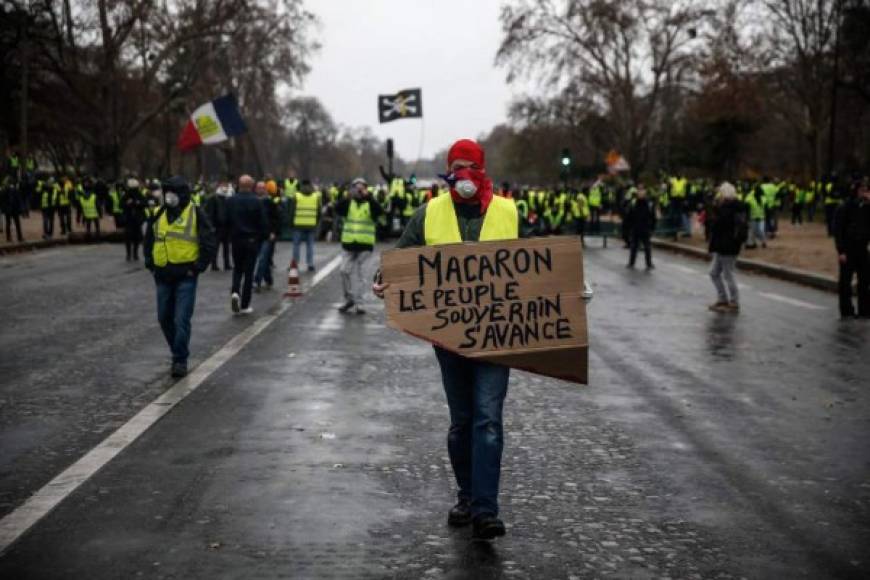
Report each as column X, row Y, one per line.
column 733, row 307
column 460, row 514
column 179, row 370
column 487, row 527
column 346, row 307
column 310, row 268
column 360, row 310
column 235, row 303
column 650, row 267
column 718, row 307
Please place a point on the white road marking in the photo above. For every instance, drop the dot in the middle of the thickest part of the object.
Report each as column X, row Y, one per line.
column 51, row 494
column 792, row 301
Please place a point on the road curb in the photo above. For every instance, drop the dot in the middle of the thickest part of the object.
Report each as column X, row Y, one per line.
column 22, row 247
column 795, row 275
column 75, row 238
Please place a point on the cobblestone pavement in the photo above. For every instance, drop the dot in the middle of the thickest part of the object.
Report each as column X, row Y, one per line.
column 704, row 447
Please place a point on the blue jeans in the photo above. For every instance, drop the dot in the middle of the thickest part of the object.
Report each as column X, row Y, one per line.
column 175, row 302
column 264, row 263
column 475, row 395
column 308, row 236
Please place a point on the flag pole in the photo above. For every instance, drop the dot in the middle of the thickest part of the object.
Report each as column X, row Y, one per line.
column 420, row 146
column 256, row 153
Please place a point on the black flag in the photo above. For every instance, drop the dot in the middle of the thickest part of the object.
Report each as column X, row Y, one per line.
column 403, row 105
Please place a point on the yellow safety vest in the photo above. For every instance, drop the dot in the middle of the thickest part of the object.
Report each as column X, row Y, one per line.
column 359, row 228
column 522, row 208
column 89, row 207
column 291, row 186
column 409, row 205
column 49, row 195
column 115, row 196
column 441, row 226
column 580, row 209
column 306, row 209
column 176, row 242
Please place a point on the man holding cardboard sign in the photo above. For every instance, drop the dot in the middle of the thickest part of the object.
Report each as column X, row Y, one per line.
column 486, row 307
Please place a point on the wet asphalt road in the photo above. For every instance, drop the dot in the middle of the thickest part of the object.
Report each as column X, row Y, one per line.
column 706, row 446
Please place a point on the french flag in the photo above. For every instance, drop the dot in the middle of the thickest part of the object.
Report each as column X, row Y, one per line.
column 212, row 123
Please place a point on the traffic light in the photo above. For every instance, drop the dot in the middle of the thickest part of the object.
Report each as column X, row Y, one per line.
column 566, row 158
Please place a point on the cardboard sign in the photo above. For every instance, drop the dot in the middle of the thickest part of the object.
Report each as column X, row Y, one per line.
column 516, row 303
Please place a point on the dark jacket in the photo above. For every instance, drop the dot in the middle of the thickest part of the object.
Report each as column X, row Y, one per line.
column 11, row 200
column 852, row 226
column 246, row 217
column 207, row 247
column 725, row 230
column 133, row 206
column 273, row 214
column 641, row 217
column 216, row 210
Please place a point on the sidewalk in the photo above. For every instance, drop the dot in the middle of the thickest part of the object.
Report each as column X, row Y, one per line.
column 802, row 254
column 31, row 230
column 805, row 247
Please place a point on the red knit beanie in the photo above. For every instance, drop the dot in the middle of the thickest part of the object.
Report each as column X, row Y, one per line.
column 468, row 150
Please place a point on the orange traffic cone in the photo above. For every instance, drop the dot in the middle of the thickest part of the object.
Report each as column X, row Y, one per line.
column 293, row 288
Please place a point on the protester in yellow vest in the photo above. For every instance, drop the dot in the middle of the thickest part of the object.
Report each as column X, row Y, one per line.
column 580, row 213
column 91, row 213
column 115, row 193
column 48, row 194
column 361, row 213
column 595, row 202
column 291, row 186
column 306, row 217
column 179, row 245
column 475, row 389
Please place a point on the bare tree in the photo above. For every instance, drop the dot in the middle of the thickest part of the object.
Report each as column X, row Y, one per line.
column 621, row 51
column 801, row 38
column 112, row 70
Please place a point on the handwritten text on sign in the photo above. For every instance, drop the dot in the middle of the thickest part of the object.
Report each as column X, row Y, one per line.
column 481, row 295
column 516, row 303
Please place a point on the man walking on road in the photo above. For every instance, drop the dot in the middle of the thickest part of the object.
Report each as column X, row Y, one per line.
column 249, row 226
column 216, row 208
column 306, row 205
column 91, row 211
column 179, row 245
column 133, row 205
column 851, row 235
column 756, row 218
column 268, row 197
column 360, row 214
column 47, row 203
column 475, row 390
column 641, row 219
column 728, row 231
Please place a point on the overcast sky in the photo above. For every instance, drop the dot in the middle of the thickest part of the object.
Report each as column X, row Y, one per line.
column 445, row 47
